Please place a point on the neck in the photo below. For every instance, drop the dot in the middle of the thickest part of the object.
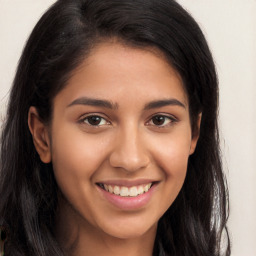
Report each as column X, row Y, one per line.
column 78, row 238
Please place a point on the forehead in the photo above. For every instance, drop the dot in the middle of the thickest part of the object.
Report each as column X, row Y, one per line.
column 113, row 69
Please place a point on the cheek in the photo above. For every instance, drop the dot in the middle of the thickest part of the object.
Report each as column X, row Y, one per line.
column 174, row 163
column 171, row 156
column 174, row 160
column 76, row 149
column 76, row 157
column 172, row 153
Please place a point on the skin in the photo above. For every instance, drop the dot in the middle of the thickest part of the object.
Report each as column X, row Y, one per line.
column 129, row 143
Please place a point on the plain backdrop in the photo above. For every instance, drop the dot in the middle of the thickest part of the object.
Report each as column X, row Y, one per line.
column 230, row 28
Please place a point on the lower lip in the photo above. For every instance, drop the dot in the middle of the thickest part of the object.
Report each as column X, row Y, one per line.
column 129, row 203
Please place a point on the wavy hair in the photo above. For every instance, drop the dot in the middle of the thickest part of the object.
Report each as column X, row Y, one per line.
column 61, row 40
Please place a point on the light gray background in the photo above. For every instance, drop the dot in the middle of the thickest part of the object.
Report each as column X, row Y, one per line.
column 230, row 27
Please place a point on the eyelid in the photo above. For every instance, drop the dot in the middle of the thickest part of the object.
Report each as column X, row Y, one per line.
column 172, row 119
column 83, row 117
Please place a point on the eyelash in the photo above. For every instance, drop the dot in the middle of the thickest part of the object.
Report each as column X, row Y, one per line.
column 83, row 120
column 169, row 119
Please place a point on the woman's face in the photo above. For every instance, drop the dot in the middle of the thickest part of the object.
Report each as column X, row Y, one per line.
column 120, row 140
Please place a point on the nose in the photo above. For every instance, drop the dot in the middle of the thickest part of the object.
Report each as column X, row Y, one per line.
column 129, row 152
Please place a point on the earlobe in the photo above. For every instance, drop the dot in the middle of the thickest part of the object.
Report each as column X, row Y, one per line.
column 40, row 134
column 195, row 135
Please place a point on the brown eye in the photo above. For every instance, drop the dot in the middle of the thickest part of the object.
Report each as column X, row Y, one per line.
column 95, row 121
column 158, row 120
column 161, row 120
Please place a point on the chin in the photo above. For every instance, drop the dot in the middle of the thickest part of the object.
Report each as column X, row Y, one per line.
column 129, row 231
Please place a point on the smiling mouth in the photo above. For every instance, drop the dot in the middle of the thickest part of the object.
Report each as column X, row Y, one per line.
column 124, row 191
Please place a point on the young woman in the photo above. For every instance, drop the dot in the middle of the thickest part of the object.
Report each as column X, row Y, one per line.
column 111, row 145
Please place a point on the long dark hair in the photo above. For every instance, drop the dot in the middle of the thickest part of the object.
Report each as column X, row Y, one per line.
column 64, row 36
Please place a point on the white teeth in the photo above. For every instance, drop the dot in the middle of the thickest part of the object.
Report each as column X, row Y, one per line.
column 116, row 190
column 146, row 188
column 110, row 189
column 125, row 191
column 141, row 190
column 133, row 191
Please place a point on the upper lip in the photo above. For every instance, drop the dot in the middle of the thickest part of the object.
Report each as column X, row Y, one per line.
column 127, row 183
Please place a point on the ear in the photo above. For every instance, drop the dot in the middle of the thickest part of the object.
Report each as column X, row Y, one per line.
column 40, row 134
column 195, row 134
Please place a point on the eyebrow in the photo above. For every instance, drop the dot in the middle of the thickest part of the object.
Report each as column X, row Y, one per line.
column 110, row 105
column 163, row 103
column 93, row 102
